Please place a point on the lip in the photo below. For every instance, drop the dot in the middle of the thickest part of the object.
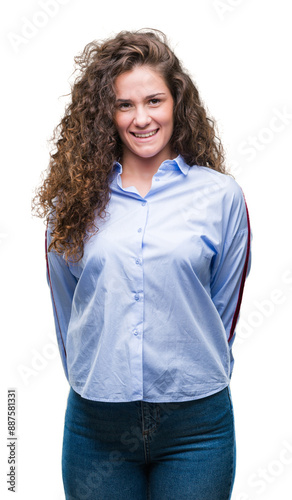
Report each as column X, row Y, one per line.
column 146, row 133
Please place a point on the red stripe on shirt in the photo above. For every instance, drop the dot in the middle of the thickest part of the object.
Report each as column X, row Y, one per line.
column 49, row 276
column 243, row 278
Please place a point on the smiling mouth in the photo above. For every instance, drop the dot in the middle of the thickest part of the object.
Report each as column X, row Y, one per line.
column 144, row 136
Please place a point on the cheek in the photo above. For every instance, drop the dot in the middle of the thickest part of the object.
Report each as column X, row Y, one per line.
column 167, row 118
column 120, row 124
column 169, row 123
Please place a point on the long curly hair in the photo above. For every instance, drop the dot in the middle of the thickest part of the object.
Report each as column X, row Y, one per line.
column 76, row 190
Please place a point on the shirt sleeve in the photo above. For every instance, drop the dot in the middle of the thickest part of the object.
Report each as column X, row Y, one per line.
column 62, row 285
column 231, row 268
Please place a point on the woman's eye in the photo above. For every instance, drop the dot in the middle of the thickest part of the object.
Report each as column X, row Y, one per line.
column 124, row 105
column 154, row 101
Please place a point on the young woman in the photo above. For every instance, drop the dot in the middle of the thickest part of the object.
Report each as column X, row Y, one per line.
column 148, row 249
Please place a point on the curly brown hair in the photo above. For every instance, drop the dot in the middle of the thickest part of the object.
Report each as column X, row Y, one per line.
column 76, row 190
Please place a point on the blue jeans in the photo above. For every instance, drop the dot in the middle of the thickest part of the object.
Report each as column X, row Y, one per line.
column 143, row 451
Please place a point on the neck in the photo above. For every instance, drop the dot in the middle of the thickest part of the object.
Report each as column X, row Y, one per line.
column 144, row 167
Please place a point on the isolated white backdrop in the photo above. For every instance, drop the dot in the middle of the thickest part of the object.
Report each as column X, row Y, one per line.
column 238, row 52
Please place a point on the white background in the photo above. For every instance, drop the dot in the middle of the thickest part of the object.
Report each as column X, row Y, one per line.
column 239, row 54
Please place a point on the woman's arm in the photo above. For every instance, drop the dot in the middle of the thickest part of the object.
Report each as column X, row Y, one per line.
column 62, row 285
column 232, row 266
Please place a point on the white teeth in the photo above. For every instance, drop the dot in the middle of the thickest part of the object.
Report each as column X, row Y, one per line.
column 145, row 135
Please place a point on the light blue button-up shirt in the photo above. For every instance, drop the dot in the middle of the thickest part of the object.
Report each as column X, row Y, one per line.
column 149, row 313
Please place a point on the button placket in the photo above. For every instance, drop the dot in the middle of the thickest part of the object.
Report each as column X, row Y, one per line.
column 137, row 317
column 140, row 220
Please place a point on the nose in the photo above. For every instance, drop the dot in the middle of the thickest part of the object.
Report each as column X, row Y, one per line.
column 141, row 118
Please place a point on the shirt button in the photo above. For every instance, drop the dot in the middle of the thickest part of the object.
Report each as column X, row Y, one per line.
column 140, row 230
column 157, row 179
column 143, row 204
column 138, row 262
column 135, row 332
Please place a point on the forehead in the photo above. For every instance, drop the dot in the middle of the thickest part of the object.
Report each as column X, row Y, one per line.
column 140, row 81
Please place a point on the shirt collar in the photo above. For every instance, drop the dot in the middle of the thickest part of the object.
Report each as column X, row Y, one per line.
column 179, row 161
column 166, row 165
column 118, row 167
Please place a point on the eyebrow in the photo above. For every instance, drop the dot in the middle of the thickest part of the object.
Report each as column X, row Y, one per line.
column 151, row 96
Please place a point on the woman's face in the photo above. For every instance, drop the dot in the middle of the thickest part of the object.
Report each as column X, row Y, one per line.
column 144, row 114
